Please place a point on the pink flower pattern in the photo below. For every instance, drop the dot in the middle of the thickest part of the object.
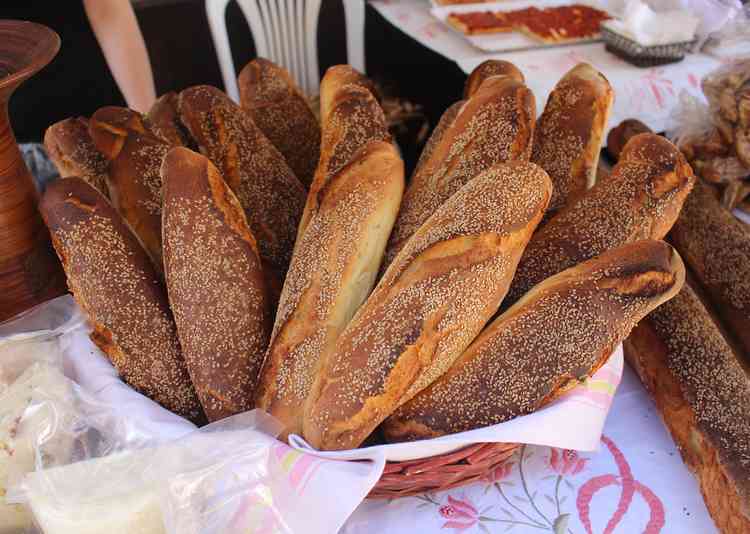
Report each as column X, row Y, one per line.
column 566, row 462
column 499, row 473
column 461, row 514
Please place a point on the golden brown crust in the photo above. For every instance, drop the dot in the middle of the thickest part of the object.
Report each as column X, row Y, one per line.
column 281, row 111
column 334, row 79
column 332, row 272
column 495, row 125
column 355, row 119
column 716, row 246
column 640, row 199
column 163, row 119
column 621, row 134
column 272, row 197
column 71, row 149
column 569, row 133
column 561, row 332
column 115, row 283
column 215, row 284
column 432, row 301
column 443, row 125
column 135, row 155
column 488, row 69
column 702, row 393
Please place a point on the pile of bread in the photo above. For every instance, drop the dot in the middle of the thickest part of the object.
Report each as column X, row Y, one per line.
column 240, row 256
column 721, row 156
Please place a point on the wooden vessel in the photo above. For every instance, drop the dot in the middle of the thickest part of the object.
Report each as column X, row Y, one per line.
column 29, row 270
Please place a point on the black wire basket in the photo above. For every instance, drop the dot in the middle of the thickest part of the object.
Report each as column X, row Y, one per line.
column 644, row 56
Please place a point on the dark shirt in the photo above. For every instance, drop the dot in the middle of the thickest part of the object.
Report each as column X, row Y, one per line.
column 76, row 82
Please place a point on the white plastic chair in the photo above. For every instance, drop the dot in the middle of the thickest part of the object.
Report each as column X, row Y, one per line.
column 285, row 32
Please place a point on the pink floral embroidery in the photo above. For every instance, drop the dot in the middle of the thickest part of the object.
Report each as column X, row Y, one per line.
column 566, row 462
column 461, row 514
column 693, row 80
column 501, row 472
column 629, row 487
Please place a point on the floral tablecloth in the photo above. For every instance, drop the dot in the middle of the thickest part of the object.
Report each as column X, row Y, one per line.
column 646, row 94
column 635, row 484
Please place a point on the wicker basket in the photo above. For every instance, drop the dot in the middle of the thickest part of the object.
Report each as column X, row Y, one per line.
column 644, row 56
column 442, row 472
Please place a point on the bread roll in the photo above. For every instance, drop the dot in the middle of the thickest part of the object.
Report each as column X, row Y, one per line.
column 619, row 136
column 703, row 394
column 272, row 197
column 164, row 120
column 495, row 125
column 433, row 300
column 332, row 272
column 716, row 246
column 334, row 79
column 640, row 199
column 561, row 332
column 215, row 284
column 70, row 148
column 569, row 133
column 354, row 120
column 133, row 179
column 488, row 69
column 117, row 287
column 278, row 107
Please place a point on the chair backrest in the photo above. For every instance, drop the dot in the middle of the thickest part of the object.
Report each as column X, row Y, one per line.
column 285, row 32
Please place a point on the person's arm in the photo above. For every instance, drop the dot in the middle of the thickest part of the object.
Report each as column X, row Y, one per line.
column 120, row 38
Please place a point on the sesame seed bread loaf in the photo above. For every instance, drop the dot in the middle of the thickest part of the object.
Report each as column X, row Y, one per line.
column 71, row 149
column 569, row 133
column 716, row 246
column 164, row 120
column 272, row 197
column 618, row 136
column 215, row 284
column 640, row 199
column 133, row 178
column 488, row 69
column 429, row 305
column 436, row 137
column 115, row 283
column 495, row 125
column 332, row 272
column 703, row 394
column 334, row 79
column 355, row 119
column 268, row 93
column 560, row 332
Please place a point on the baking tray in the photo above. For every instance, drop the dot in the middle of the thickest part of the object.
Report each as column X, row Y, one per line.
column 510, row 41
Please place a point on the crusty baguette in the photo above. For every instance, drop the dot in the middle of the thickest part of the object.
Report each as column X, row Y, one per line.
column 334, row 79
column 164, row 120
column 278, row 107
column 703, row 395
column 113, row 280
column 443, row 125
column 215, row 284
column 569, row 133
column 332, row 272
column 272, row 197
column 71, row 149
column 559, row 333
column 355, row 119
column 430, row 304
column 619, row 136
column 716, row 246
column 133, row 178
column 495, row 125
column 489, row 69
column 640, row 199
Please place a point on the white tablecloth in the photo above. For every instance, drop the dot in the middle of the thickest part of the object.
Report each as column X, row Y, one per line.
column 646, row 94
column 635, row 484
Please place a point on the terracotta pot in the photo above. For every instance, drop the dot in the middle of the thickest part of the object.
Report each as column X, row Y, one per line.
column 29, row 270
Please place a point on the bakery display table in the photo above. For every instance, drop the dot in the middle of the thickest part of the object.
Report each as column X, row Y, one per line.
column 647, row 94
